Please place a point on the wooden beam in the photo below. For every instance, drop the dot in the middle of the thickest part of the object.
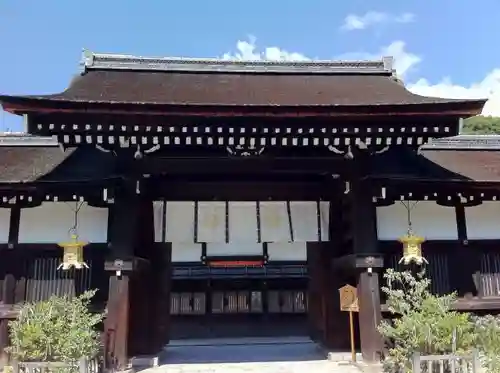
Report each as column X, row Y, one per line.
column 243, row 165
column 235, row 190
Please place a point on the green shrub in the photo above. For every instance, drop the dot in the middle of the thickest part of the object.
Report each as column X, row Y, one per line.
column 488, row 341
column 59, row 329
column 422, row 321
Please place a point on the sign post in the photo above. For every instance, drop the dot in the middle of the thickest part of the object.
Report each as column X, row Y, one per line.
column 349, row 303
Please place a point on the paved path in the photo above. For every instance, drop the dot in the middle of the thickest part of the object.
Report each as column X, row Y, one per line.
column 285, row 356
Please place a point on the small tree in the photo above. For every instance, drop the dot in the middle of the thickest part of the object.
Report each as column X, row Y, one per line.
column 60, row 329
column 422, row 321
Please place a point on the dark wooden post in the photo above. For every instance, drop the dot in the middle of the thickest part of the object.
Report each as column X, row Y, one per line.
column 466, row 260
column 367, row 262
column 13, row 285
column 329, row 325
column 122, row 264
column 164, row 277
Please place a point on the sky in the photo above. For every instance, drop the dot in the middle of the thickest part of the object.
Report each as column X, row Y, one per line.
column 442, row 48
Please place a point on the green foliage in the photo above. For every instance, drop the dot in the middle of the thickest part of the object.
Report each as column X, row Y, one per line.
column 423, row 322
column 59, row 329
column 488, row 341
column 482, row 125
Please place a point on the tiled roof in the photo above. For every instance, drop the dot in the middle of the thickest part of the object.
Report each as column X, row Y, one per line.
column 25, row 159
column 119, row 79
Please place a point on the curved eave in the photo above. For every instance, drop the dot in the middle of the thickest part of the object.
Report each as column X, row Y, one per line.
column 20, row 105
column 426, row 180
column 33, row 184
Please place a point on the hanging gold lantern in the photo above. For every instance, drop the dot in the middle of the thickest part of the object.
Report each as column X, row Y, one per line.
column 412, row 244
column 73, row 249
column 412, row 249
column 73, row 253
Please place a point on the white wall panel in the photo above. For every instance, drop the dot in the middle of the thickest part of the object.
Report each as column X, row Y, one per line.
column 325, row 219
column 234, row 249
column 179, row 221
column 51, row 221
column 159, row 217
column 430, row 220
column 293, row 251
column 211, row 221
column 483, row 221
column 274, row 222
column 304, row 221
column 186, row 252
column 4, row 225
column 179, row 225
column 243, row 222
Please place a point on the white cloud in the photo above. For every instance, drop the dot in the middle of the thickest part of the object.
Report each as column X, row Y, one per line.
column 247, row 50
column 488, row 87
column 361, row 22
column 404, row 61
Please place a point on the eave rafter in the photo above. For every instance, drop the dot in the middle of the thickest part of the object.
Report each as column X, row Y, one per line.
column 446, row 193
column 35, row 194
column 245, row 136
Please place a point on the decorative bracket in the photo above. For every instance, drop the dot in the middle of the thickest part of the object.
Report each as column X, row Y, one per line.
column 348, row 153
column 140, row 153
column 245, row 150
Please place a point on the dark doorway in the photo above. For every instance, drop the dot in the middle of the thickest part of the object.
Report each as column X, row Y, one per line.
column 238, row 307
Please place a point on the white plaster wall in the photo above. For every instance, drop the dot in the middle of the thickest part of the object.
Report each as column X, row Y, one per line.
column 186, row 252
column 243, row 222
column 211, row 221
column 274, row 225
column 293, row 251
column 243, row 226
column 179, row 224
column 158, row 218
column 304, row 221
column 231, row 249
column 483, row 221
column 4, row 225
column 324, row 208
column 430, row 220
column 51, row 221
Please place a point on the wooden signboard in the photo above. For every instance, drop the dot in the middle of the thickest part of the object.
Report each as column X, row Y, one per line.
column 348, row 298
column 349, row 303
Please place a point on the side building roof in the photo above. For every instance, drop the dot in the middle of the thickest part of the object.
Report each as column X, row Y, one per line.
column 118, row 81
column 30, row 159
column 462, row 158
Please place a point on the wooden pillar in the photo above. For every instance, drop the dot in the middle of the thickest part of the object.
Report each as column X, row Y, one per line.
column 164, row 283
column 122, row 265
column 328, row 325
column 13, row 290
column 465, row 259
column 367, row 261
column 316, row 293
column 116, row 326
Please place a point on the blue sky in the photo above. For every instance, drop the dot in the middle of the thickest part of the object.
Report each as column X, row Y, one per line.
column 442, row 47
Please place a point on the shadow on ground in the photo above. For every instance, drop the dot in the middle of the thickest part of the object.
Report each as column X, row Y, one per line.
column 276, row 351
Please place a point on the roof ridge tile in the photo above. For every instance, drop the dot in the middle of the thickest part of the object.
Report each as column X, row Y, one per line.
column 110, row 61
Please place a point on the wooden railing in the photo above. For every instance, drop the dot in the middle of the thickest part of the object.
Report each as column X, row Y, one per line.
column 84, row 366
column 450, row 363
